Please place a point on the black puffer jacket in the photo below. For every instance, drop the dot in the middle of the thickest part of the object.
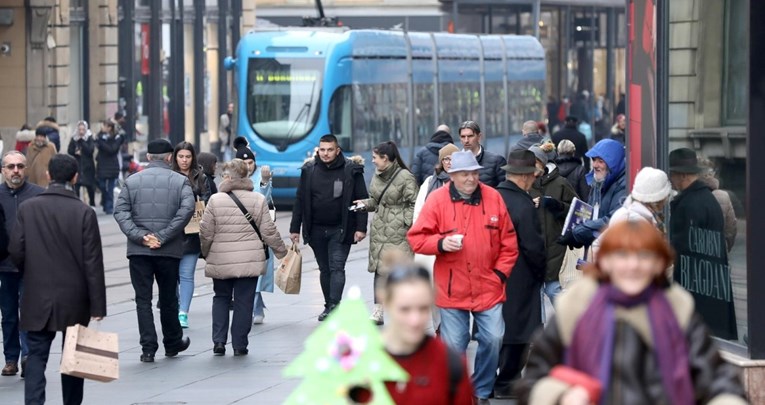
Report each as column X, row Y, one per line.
column 579, row 141
column 107, row 162
column 635, row 378
column 571, row 168
column 426, row 158
column 492, row 173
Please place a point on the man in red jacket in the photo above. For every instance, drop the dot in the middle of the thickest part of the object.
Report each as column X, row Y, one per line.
column 467, row 227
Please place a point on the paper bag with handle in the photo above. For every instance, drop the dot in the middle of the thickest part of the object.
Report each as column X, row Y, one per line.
column 290, row 271
column 91, row 354
column 193, row 226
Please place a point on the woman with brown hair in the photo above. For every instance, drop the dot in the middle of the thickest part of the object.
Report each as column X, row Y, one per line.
column 624, row 335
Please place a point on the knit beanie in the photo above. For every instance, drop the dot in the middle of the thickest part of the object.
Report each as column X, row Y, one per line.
column 539, row 154
column 651, row 185
column 242, row 150
column 447, row 151
column 566, row 147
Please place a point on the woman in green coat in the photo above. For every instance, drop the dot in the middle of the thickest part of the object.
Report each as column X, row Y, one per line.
column 393, row 192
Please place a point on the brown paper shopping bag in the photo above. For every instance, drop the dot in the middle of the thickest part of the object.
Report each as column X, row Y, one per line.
column 193, row 225
column 290, row 271
column 90, row 354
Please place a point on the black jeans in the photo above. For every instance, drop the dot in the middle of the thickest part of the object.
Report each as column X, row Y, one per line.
column 143, row 271
column 34, row 384
column 91, row 189
column 512, row 359
column 331, row 254
column 10, row 294
column 243, row 290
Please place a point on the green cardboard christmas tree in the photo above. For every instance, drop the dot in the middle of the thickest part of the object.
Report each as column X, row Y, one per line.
column 344, row 361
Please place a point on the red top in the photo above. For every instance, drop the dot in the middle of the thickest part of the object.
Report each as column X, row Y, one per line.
column 467, row 279
column 429, row 378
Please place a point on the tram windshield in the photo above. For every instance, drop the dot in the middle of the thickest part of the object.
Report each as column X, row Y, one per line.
column 283, row 97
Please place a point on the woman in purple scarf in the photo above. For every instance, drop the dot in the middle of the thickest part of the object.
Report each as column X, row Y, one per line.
column 625, row 336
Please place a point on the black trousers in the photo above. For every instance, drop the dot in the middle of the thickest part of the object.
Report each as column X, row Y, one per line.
column 331, row 254
column 34, row 384
column 143, row 271
column 243, row 290
column 91, row 190
column 512, row 359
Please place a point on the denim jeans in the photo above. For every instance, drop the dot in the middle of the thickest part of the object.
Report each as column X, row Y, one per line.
column 455, row 332
column 259, row 308
column 551, row 289
column 107, row 194
column 331, row 254
column 14, row 341
column 186, row 270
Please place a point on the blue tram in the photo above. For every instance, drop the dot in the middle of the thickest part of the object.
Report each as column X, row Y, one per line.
column 369, row 86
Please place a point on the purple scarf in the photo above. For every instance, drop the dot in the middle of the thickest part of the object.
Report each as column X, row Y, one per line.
column 592, row 345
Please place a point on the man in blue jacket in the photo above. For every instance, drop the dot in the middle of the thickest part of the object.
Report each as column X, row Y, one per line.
column 608, row 189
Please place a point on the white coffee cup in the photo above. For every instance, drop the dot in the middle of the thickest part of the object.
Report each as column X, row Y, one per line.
column 458, row 238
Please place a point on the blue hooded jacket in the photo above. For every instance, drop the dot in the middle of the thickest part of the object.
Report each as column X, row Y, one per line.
column 610, row 195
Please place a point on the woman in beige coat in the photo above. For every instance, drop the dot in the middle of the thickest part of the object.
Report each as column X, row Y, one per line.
column 235, row 254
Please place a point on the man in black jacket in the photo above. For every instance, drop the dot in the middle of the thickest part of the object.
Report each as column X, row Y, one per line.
column 491, row 173
column 13, row 191
column 523, row 309
column 425, row 160
column 57, row 247
column 328, row 185
column 697, row 229
column 571, row 133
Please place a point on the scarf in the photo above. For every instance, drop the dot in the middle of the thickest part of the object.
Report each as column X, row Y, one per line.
column 592, row 345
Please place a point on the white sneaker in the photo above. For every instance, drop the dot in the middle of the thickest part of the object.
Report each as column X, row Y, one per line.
column 258, row 319
column 377, row 315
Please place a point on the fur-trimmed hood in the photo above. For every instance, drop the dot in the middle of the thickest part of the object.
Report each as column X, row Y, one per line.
column 238, row 184
column 26, row 135
column 48, row 124
column 358, row 159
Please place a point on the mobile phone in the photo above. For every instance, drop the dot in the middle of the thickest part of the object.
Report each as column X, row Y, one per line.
column 357, row 207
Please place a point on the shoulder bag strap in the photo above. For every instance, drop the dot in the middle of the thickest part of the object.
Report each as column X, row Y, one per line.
column 379, row 199
column 249, row 218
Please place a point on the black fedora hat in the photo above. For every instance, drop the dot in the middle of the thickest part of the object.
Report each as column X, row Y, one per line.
column 521, row 162
column 684, row 160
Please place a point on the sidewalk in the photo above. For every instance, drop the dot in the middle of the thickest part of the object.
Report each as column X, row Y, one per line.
column 196, row 376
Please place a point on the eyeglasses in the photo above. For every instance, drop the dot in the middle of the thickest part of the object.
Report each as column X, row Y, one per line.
column 12, row 166
column 447, row 159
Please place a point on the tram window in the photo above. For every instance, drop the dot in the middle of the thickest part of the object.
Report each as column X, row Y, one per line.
column 340, row 110
column 379, row 114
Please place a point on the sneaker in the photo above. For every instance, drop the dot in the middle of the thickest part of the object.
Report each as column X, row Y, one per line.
column 377, row 315
column 11, row 368
column 183, row 318
column 258, row 319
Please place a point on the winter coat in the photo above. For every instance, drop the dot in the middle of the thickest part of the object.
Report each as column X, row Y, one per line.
column 473, row 278
column 10, row 200
column 82, row 149
column 635, row 373
column 431, row 184
column 523, row 311
column 38, row 158
column 611, row 193
column 23, row 139
column 528, row 141
column 393, row 214
column 426, row 158
column 631, row 210
column 697, row 230
column 723, row 198
column 57, row 247
column 108, row 164
column 200, row 188
column 618, row 134
column 492, row 173
column 552, row 217
column 579, row 141
column 571, row 168
column 155, row 201
column 230, row 245
column 51, row 131
column 354, row 189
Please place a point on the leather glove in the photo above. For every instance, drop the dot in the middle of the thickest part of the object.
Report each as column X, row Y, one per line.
column 568, row 239
column 551, row 205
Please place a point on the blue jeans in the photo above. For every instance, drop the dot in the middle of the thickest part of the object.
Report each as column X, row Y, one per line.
column 107, row 194
column 259, row 308
column 455, row 332
column 14, row 341
column 186, row 271
column 551, row 289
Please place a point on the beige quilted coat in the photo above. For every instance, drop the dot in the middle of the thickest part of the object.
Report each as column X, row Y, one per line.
column 229, row 243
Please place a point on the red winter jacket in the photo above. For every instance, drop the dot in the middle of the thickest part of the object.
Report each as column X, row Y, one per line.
column 473, row 278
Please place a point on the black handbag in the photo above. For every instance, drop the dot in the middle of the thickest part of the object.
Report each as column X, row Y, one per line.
column 249, row 218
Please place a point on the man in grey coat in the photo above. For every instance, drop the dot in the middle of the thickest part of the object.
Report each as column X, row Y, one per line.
column 152, row 210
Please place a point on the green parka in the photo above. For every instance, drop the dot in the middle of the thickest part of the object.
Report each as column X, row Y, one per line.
column 393, row 215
